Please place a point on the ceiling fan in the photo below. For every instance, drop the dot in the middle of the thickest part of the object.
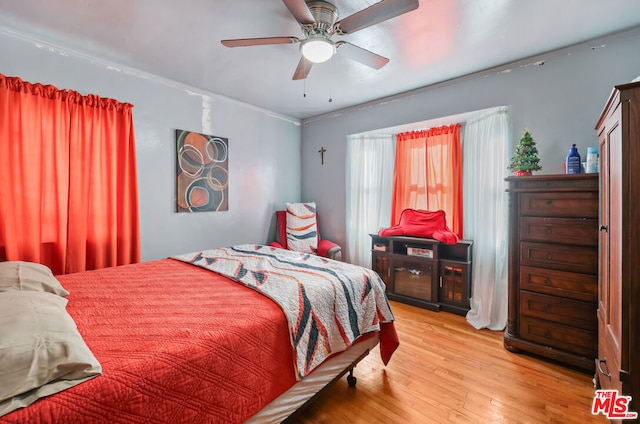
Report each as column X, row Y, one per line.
column 319, row 22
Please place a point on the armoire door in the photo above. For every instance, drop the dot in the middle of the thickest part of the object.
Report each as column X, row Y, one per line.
column 610, row 287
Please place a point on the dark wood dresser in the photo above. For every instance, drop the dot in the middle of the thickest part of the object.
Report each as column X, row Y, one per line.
column 553, row 267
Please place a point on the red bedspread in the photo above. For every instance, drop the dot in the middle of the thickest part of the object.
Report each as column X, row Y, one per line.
column 177, row 343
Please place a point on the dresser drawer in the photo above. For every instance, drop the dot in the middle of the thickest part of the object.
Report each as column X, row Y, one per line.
column 568, row 205
column 559, row 309
column 560, row 283
column 560, row 336
column 580, row 259
column 560, row 230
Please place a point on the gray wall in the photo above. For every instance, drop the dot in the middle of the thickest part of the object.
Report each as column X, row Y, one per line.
column 264, row 148
column 558, row 102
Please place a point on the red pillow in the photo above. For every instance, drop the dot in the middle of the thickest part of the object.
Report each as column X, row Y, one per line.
column 421, row 223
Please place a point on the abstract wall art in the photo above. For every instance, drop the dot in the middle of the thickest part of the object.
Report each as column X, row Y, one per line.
column 202, row 172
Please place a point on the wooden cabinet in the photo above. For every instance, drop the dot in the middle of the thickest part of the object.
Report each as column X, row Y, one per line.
column 618, row 362
column 553, row 267
column 424, row 272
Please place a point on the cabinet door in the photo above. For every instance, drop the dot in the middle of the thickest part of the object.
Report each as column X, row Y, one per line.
column 610, row 274
column 454, row 283
column 380, row 264
column 415, row 277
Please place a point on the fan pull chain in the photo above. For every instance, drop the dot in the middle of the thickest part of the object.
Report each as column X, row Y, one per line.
column 330, row 77
column 304, row 81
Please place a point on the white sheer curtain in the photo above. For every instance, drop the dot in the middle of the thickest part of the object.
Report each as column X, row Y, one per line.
column 369, row 185
column 486, row 157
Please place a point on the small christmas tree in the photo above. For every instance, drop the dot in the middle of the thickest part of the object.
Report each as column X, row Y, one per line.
column 525, row 159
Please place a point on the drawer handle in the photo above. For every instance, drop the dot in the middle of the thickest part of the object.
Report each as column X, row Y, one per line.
column 547, row 333
column 548, row 230
column 549, row 256
column 547, row 281
column 600, row 362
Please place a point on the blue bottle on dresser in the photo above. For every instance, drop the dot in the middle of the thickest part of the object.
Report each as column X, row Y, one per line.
column 573, row 161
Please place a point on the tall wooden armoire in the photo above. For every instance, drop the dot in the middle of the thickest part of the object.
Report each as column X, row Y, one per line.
column 618, row 362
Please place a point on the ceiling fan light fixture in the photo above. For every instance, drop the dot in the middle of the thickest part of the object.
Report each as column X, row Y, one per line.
column 317, row 49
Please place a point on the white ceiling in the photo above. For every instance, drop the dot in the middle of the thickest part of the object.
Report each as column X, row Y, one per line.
column 441, row 40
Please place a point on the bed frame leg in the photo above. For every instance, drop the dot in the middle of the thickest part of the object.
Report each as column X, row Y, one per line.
column 351, row 380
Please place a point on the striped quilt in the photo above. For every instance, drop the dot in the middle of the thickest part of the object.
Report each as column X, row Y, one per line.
column 328, row 304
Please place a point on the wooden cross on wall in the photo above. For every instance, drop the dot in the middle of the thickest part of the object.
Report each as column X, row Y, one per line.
column 321, row 151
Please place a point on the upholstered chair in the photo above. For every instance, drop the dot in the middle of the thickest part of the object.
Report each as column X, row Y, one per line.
column 297, row 229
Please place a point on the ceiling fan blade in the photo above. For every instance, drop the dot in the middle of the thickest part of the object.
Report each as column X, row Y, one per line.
column 376, row 13
column 304, row 66
column 244, row 42
column 300, row 11
column 364, row 56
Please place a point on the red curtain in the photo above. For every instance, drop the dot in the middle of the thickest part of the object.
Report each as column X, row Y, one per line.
column 444, row 174
column 68, row 182
column 428, row 174
column 409, row 174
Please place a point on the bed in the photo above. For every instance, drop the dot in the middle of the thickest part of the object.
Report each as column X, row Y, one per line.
column 201, row 338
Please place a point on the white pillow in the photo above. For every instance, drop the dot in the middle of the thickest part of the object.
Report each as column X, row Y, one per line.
column 41, row 350
column 21, row 276
column 302, row 228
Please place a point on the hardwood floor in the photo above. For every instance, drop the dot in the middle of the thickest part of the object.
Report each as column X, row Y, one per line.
column 445, row 371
